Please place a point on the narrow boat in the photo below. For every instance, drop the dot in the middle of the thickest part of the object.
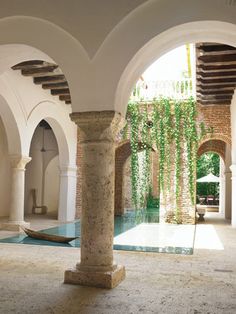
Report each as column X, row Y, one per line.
column 47, row 237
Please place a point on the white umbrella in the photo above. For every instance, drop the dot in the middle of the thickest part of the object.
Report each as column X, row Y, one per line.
column 209, row 178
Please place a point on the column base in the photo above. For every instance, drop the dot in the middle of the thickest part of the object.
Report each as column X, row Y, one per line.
column 14, row 225
column 107, row 280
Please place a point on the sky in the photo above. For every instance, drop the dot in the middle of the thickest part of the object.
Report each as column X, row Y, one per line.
column 171, row 65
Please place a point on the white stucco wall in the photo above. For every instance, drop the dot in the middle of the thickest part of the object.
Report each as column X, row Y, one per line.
column 52, row 184
column 5, row 173
column 104, row 46
column 23, row 106
column 37, row 170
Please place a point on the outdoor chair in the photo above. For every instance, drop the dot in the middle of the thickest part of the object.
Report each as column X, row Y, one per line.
column 210, row 200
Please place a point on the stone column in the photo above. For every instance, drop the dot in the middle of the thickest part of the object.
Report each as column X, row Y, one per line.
column 67, row 195
column 97, row 132
column 16, row 217
column 222, row 188
column 233, row 159
column 233, row 214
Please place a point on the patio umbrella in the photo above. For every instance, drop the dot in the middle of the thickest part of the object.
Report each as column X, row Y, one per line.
column 209, row 178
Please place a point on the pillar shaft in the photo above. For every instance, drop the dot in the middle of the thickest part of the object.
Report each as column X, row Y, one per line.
column 233, row 215
column 16, row 215
column 18, row 164
column 97, row 133
column 67, row 195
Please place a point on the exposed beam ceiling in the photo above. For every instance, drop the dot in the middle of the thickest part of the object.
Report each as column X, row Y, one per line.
column 48, row 75
column 216, row 73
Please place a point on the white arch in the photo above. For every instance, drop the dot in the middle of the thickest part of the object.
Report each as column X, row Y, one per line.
column 11, row 123
column 208, row 31
column 65, row 131
column 55, row 42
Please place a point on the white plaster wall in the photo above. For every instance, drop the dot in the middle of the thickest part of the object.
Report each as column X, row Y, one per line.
column 102, row 47
column 228, row 183
column 5, row 173
column 51, row 187
column 105, row 45
column 36, row 169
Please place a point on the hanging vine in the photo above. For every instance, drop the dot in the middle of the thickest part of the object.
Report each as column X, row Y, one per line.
column 177, row 136
column 191, row 139
column 170, row 127
column 168, row 131
column 133, row 116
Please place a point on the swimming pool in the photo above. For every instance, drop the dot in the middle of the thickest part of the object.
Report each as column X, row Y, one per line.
column 132, row 232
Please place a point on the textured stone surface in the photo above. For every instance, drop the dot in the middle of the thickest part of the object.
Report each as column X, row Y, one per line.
column 97, row 133
column 14, row 225
column 108, row 280
column 32, row 281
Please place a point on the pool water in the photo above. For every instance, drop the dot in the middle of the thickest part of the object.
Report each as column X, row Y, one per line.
column 134, row 231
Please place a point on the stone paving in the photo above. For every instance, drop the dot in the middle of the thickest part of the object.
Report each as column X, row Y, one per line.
column 31, row 279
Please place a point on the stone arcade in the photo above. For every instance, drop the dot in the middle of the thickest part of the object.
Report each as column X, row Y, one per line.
column 73, row 65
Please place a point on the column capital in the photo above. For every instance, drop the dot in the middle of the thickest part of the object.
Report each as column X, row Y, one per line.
column 19, row 161
column 98, row 126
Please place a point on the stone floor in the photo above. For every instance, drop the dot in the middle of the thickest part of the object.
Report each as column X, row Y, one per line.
column 31, row 279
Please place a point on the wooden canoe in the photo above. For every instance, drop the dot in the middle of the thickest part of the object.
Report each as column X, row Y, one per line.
column 48, row 237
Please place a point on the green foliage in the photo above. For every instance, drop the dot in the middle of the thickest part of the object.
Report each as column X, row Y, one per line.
column 133, row 111
column 164, row 124
column 191, row 140
column 208, row 163
column 125, row 132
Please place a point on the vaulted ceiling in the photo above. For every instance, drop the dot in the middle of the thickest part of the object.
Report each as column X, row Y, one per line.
column 216, row 73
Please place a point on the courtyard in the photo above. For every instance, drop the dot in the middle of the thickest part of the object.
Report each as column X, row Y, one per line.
column 205, row 282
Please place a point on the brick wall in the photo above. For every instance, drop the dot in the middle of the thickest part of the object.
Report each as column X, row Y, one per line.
column 123, row 152
column 215, row 146
column 217, row 117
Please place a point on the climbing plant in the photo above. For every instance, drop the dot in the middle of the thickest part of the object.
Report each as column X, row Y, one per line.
column 169, row 127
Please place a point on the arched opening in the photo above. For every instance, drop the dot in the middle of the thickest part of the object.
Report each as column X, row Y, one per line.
column 33, row 90
column 213, row 116
column 214, row 157
column 123, row 186
column 41, row 196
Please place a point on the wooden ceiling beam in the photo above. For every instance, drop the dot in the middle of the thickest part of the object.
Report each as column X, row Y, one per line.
column 62, row 91
column 218, row 58
column 216, row 74
column 49, row 79
column 216, row 87
column 218, row 80
column 65, row 97
column 215, row 48
column 39, row 71
column 215, row 91
column 215, row 67
column 26, row 64
column 218, row 102
column 214, row 97
column 55, row 85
